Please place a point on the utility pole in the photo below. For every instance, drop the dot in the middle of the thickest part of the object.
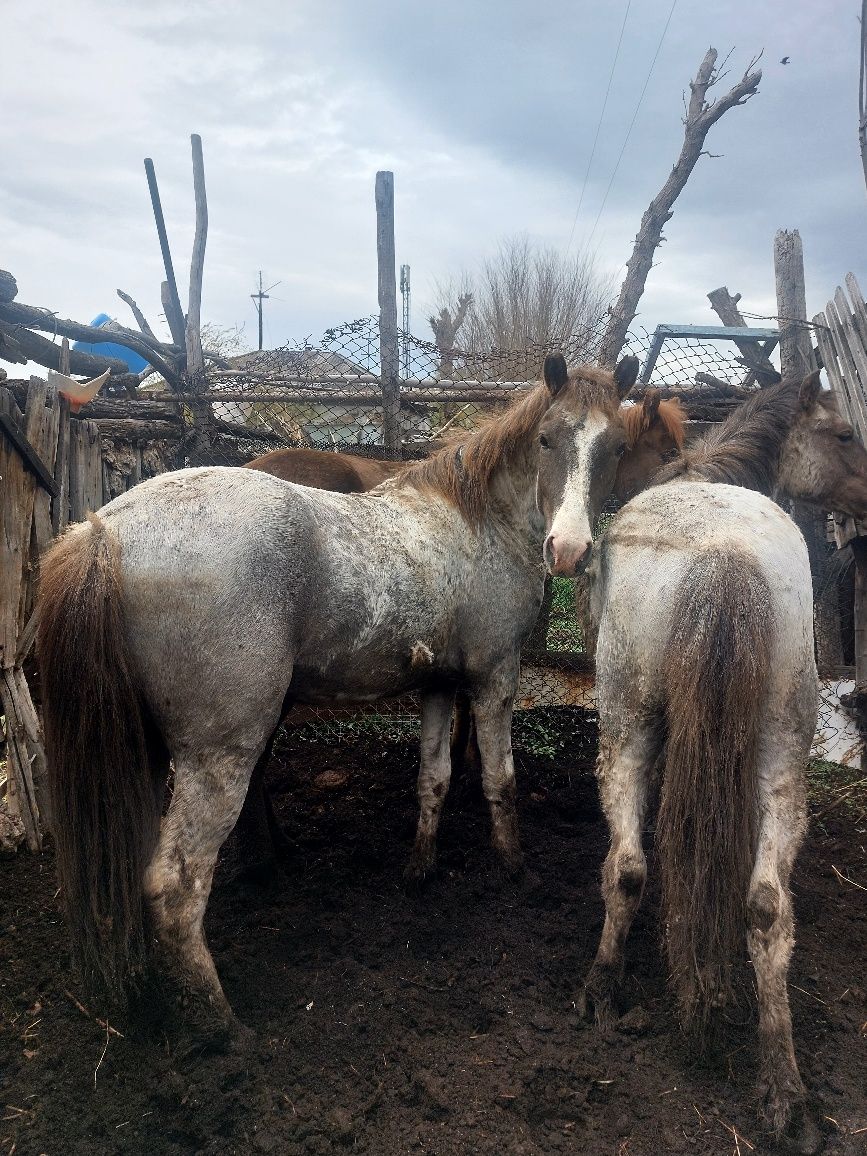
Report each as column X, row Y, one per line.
column 259, row 297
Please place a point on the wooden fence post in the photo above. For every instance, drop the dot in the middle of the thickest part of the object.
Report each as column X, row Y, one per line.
column 797, row 360
column 389, row 352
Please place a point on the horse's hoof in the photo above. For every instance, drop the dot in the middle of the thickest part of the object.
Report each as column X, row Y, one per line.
column 416, row 876
column 800, row 1134
column 596, row 1002
column 511, row 861
column 240, row 1040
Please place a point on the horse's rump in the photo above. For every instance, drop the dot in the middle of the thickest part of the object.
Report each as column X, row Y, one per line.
column 715, row 675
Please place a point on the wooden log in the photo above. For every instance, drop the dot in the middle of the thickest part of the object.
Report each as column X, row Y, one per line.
column 726, row 308
column 796, row 351
column 170, row 299
column 36, row 348
column 192, row 331
column 33, row 318
column 137, row 430
column 8, row 286
column 10, row 348
column 389, row 350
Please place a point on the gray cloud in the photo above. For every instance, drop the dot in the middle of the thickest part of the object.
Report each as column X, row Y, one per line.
column 486, row 113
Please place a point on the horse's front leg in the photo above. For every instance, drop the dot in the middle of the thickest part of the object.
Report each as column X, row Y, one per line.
column 433, row 781
column 492, row 707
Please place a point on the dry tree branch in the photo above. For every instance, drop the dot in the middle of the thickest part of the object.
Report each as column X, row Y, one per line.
column 700, row 118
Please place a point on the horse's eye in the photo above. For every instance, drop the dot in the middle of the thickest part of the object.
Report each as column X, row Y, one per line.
column 620, row 451
column 543, row 442
column 844, row 437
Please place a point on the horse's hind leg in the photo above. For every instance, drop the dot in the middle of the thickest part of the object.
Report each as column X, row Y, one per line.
column 623, row 770
column 433, row 782
column 207, row 798
column 770, row 938
column 492, row 707
column 259, row 841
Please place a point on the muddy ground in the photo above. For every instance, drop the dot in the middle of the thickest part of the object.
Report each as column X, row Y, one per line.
column 443, row 1024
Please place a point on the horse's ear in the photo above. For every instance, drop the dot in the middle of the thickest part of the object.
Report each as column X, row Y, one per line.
column 810, row 389
column 626, row 374
column 555, row 373
column 650, row 406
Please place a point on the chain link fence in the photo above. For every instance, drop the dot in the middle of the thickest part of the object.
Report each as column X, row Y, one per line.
column 330, row 395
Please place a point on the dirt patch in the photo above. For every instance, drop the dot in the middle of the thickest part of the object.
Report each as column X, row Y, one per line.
column 442, row 1024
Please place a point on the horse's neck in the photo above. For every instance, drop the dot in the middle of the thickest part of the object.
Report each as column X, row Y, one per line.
column 512, row 503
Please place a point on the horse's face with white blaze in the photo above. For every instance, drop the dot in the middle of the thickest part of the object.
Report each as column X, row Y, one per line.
column 581, row 440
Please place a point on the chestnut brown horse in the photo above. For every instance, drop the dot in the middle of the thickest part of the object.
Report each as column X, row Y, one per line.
column 705, row 672
column 326, row 469
column 179, row 624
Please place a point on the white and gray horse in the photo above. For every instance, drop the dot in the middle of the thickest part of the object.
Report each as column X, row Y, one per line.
column 182, row 621
column 706, row 672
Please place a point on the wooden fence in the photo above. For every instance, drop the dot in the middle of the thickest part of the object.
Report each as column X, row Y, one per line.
column 51, row 473
column 841, row 334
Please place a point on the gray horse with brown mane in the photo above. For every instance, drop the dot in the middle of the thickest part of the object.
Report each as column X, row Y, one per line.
column 182, row 621
column 654, row 429
column 706, row 672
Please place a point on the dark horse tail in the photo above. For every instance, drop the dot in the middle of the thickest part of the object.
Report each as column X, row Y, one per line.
column 716, row 667
column 105, row 801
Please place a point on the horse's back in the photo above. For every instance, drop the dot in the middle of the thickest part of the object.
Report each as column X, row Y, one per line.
column 650, row 552
column 324, row 469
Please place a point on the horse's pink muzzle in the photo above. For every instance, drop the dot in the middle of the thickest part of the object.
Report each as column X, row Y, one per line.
column 566, row 557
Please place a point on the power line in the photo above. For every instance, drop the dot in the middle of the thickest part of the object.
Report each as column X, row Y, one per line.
column 634, row 118
column 599, row 125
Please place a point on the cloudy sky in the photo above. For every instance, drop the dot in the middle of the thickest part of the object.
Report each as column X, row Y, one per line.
column 485, row 111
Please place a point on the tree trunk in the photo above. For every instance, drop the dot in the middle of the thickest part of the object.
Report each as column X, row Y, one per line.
column 699, row 119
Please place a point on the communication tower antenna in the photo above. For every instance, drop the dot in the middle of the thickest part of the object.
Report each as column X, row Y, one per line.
column 404, row 292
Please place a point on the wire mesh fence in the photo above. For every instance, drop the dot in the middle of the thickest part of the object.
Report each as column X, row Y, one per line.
column 330, row 395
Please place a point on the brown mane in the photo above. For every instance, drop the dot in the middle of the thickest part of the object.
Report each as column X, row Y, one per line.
column 670, row 413
column 745, row 449
column 462, row 471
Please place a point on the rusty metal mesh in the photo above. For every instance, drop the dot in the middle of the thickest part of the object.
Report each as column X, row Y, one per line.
column 328, row 394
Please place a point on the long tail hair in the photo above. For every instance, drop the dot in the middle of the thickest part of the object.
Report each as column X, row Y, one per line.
column 105, row 801
column 716, row 667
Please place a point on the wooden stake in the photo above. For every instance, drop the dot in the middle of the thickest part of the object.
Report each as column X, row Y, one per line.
column 389, row 351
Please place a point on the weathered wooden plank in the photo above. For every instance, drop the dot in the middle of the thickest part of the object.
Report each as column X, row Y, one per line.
column 832, row 368
column 42, row 525
column 14, row 431
column 60, row 505
column 20, row 794
column 13, row 544
column 847, row 366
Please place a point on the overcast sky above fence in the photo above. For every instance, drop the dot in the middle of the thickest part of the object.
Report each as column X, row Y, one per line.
column 486, row 112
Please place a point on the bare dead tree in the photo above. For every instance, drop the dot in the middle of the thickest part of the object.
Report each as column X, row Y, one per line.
column 700, row 117
column 525, row 298
column 446, row 325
